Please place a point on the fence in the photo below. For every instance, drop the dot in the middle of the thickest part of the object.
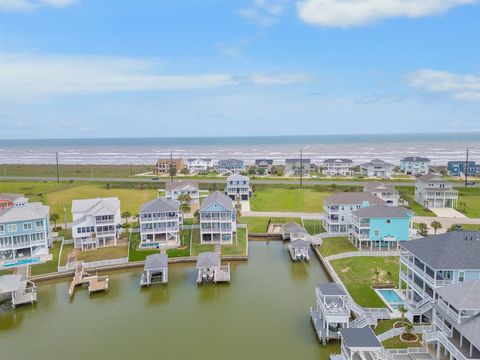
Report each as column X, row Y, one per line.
column 93, row 264
column 399, row 331
column 362, row 253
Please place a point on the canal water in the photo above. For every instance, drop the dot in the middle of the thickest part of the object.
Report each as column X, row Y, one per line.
column 262, row 314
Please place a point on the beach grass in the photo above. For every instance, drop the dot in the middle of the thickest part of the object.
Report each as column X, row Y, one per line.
column 336, row 245
column 358, row 275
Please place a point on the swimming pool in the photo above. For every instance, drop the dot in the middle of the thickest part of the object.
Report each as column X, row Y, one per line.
column 22, row 262
column 391, row 298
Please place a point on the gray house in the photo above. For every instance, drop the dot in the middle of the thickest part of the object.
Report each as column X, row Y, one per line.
column 230, row 166
column 217, row 219
column 295, row 167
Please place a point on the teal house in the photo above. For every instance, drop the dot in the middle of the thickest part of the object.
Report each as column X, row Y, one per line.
column 380, row 227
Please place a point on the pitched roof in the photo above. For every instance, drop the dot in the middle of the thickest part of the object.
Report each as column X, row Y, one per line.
column 299, row 244
column 449, row 251
column 360, row 338
column 346, row 198
column 9, row 283
column 331, row 289
column 11, row 196
column 382, row 211
column 293, row 227
column 376, row 186
column 268, row 161
column 195, row 159
column 229, row 161
column 93, row 206
column 159, row 205
column 156, row 261
column 208, row 259
column 217, row 197
column 377, row 162
column 431, row 177
column 416, row 159
column 31, row 211
column 181, row 186
column 462, row 296
column 237, row 177
column 338, row 160
column 293, row 161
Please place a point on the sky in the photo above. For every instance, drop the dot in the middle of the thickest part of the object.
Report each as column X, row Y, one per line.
column 109, row 68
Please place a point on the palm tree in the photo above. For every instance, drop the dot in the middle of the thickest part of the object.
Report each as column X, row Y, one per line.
column 54, row 218
column 377, row 274
column 402, row 310
column 196, row 215
column 422, row 229
column 436, row 225
column 390, row 275
column 126, row 215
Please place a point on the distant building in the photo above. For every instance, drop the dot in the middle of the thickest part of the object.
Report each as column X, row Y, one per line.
column 230, row 166
column 238, row 187
column 160, row 222
column 458, row 168
column 218, row 219
column 338, row 167
column 295, row 167
column 96, row 222
column 386, row 192
column 377, row 168
column 24, row 230
column 176, row 188
column 199, row 165
column 380, row 226
column 163, row 165
column 414, row 165
column 265, row 164
column 432, row 191
column 8, row 200
column 338, row 210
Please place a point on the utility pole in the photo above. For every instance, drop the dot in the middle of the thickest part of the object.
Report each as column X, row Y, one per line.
column 466, row 170
column 301, row 168
column 131, row 171
column 65, row 216
column 58, row 173
column 171, row 167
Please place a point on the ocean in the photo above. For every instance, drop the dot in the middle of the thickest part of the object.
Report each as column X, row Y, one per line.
column 440, row 148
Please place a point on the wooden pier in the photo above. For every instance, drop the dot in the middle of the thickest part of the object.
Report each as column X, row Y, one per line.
column 210, row 268
column 95, row 282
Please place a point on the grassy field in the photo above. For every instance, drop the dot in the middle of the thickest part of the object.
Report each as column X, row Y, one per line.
column 107, row 253
column 80, row 171
column 357, row 273
column 140, row 255
column 285, row 199
column 397, row 343
column 408, row 193
column 34, row 190
column 238, row 248
column 130, row 199
column 470, row 227
column 471, row 198
column 259, row 224
column 50, row 266
column 313, row 226
column 67, row 249
column 385, row 325
column 336, row 245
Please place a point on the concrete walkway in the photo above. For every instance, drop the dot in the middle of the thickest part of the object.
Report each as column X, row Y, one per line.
column 448, row 213
column 446, row 222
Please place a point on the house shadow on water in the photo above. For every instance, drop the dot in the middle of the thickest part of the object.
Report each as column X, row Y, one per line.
column 156, row 295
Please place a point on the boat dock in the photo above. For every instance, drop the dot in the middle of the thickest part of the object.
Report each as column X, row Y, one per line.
column 210, row 268
column 155, row 270
column 21, row 290
column 95, row 282
column 299, row 250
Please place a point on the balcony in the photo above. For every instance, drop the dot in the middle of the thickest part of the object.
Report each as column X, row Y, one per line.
column 443, row 327
column 424, row 275
column 102, row 222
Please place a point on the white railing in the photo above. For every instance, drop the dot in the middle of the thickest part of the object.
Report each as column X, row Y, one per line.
column 454, row 315
column 443, row 327
column 93, row 264
column 410, row 350
column 69, row 241
column 390, row 333
column 363, row 253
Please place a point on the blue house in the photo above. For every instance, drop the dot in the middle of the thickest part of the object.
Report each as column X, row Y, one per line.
column 218, row 223
column 414, row 165
column 457, row 168
column 380, row 226
column 24, row 232
column 230, row 166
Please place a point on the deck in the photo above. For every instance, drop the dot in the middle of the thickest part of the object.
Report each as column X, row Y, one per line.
column 320, row 330
column 217, row 275
column 95, row 283
column 300, row 255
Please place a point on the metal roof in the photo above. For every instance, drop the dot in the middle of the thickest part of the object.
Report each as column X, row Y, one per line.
column 347, row 198
column 382, row 211
column 217, row 197
column 331, row 289
column 181, row 185
column 462, row 296
column 31, row 211
column 159, row 205
column 416, row 159
column 156, row 261
column 378, row 186
column 208, row 259
column 360, row 338
column 299, row 244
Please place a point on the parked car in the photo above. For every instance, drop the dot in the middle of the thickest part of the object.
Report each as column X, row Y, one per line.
column 456, row 227
column 155, row 178
column 470, row 183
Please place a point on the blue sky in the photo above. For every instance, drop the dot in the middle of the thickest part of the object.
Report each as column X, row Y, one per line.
column 90, row 68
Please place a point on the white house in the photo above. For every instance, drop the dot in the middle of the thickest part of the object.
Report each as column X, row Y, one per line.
column 338, row 167
column 386, row 192
column 414, row 165
column 160, row 223
column 176, row 188
column 238, row 188
column 218, row 219
column 96, row 222
column 199, row 165
column 377, row 168
column 338, row 210
column 432, row 191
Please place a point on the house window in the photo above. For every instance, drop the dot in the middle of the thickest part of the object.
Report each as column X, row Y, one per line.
column 461, row 276
column 389, row 221
column 12, row 228
column 376, row 232
column 2, row 229
column 27, row 226
column 39, row 224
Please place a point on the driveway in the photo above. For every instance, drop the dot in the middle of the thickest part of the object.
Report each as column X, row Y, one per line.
column 448, row 213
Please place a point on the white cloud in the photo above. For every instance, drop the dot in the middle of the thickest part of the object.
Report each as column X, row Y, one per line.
column 460, row 87
column 34, row 76
column 29, row 5
column 264, row 13
column 348, row 13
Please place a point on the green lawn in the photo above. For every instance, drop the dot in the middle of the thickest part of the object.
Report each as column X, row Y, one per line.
column 140, row 255
column 130, row 199
column 408, row 193
column 106, row 253
column 313, row 226
column 336, row 245
column 385, row 325
column 238, row 248
column 470, row 227
column 357, row 273
column 50, row 266
column 469, row 202
column 396, row 343
column 34, row 190
column 285, row 199
column 259, row 224
column 67, row 249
